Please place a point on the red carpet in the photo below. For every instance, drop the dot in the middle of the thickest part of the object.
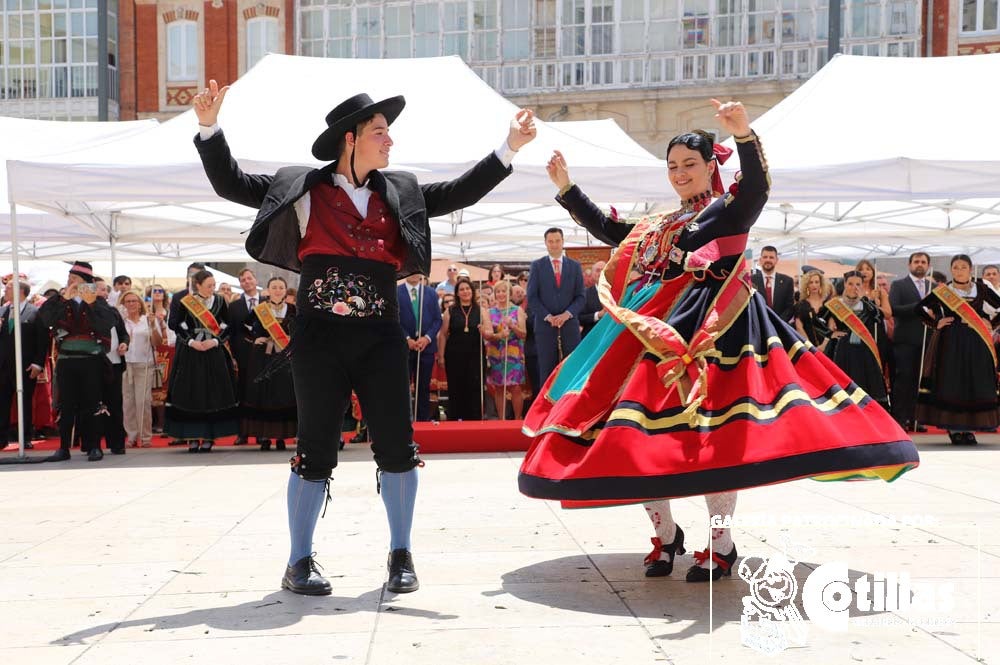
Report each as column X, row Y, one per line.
column 488, row 436
column 491, row 436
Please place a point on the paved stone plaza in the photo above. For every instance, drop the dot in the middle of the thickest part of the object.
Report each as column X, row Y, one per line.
column 165, row 557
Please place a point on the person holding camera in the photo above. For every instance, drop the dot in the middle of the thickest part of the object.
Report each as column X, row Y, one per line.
column 81, row 328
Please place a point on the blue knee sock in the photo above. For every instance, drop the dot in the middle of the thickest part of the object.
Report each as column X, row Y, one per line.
column 305, row 499
column 399, row 494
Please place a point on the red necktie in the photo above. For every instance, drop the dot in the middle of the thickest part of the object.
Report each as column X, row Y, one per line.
column 767, row 292
column 558, row 271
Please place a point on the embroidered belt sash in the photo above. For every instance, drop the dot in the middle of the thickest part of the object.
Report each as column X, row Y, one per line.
column 854, row 323
column 963, row 309
column 272, row 326
column 200, row 312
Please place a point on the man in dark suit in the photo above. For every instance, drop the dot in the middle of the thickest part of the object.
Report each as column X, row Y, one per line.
column 240, row 342
column 420, row 318
column 555, row 295
column 592, row 310
column 352, row 231
column 909, row 337
column 34, row 346
column 778, row 289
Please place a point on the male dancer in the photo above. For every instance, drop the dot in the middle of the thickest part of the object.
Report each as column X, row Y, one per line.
column 351, row 231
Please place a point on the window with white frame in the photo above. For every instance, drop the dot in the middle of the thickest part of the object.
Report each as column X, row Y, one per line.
column 398, row 32
column 602, row 27
column 426, row 30
column 338, row 43
column 456, row 28
column 574, row 27
column 696, row 34
column 517, row 29
column 544, row 45
column 485, row 30
column 633, row 26
column 182, row 51
column 979, row 16
column 262, row 38
column 664, row 28
column 369, row 32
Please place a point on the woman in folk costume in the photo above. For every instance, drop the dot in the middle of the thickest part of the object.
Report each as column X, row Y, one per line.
column 958, row 389
column 857, row 342
column 201, row 400
column 692, row 385
column 270, row 399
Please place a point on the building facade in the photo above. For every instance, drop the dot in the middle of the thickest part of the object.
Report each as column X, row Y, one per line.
column 649, row 64
column 49, row 59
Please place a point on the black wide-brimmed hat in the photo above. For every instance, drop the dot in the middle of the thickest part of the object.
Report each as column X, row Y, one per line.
column 345, row 118
column 84, row 270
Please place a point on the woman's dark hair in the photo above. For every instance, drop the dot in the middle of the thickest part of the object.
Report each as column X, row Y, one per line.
column 472, row 285
column 493, row 267
column 961, row 257
column 199, row 277
column 699, row 140
column 277, row 279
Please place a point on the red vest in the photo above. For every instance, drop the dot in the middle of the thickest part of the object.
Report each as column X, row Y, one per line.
column 336, row 228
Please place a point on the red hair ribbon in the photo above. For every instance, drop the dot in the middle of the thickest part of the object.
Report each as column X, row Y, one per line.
column 722, row 153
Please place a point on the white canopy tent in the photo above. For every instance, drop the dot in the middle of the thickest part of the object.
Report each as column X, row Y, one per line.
column 37, row 139
column 151, row 191
column 884, row 156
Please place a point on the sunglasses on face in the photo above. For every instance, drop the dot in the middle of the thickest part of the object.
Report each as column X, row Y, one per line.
column 158, row 291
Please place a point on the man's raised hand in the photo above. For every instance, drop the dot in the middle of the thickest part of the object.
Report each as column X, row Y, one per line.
column 522, row 129
column 208, row 102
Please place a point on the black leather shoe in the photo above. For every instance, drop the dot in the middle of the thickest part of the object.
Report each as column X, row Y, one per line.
column 280, row 445
column 60, row 455
column 265, row 444
column 970, row 439
column 95, row 455
column 193, row 446
column 240, row 441
column 656, row 567
column 723, row 566
column 117, row 451
column 206, row 446
column 303, row 578
column 361, row 437
column 402, row 576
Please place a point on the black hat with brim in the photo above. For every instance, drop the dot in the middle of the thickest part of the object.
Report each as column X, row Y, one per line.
column 345, row 118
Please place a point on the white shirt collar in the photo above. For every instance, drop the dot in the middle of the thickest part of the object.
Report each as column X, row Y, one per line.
column 341, row 181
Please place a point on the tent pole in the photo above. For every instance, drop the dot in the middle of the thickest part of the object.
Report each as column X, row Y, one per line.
column 15, row 315
column 114, row 246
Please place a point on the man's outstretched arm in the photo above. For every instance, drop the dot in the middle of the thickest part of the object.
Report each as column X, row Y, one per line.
column 223, row 172
column 441, row 198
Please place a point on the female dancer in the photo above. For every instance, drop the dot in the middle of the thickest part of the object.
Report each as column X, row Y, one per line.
column 201, row 400
column 959, row 388
column 460, row 350
column 692, row 385
column 270, row 402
